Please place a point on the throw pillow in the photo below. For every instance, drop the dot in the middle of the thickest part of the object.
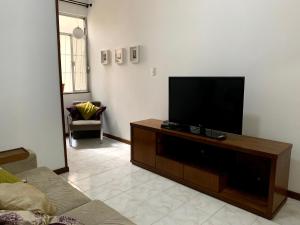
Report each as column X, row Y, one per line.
column 97, row 115
column 87, row 109
column 35, row 217
column 7, row 177
column 21, row 196
column 74, row 113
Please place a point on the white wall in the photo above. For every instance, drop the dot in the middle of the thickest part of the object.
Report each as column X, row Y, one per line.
column 30, row 99
column 258, row 39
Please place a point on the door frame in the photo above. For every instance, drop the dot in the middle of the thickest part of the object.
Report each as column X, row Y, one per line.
column 66, row 168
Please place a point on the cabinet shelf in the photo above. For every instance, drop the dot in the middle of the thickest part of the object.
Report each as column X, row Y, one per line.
column 248, row 200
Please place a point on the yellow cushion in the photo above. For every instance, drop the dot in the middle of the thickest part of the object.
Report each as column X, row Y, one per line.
column 7, row 177
column 87, row 109
column 21, row 196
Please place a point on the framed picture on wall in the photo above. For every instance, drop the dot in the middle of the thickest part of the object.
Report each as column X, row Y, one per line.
column 105, row 57
column 135, row 54
column 120, row 55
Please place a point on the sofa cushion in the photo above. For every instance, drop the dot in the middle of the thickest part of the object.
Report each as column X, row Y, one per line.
column 21, row 196
column 59, row 192
column 7, row 177
column 97, row 213
column 74, row 113
column 85, row 125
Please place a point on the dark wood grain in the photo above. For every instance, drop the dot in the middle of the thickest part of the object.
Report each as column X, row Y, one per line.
column 145, row 141
column 242, row 143
column 203, row 178
column 117, row 138
column 294, row 195
column 169, row 166
column 61, row 170
column 60, row 83
column 13, row 155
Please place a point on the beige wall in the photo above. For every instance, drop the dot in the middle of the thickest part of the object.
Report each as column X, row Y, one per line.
column 30, row 99
column 258, row 39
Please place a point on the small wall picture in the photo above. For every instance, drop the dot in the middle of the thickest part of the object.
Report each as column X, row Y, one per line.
column 105, row 57
column 135, row 54
column 120, row 55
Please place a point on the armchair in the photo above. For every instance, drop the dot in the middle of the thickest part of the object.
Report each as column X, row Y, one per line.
column 80, row 128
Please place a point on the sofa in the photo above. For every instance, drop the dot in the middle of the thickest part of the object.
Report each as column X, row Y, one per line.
column 68, row 200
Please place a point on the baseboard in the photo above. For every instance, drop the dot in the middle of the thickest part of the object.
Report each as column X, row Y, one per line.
column 61, row 170
column 117, row 138
column 294, row 195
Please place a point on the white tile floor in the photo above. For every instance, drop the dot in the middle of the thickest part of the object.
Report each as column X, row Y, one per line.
column 104, row 172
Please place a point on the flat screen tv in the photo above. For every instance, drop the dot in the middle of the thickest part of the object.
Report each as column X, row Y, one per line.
column 212, row 102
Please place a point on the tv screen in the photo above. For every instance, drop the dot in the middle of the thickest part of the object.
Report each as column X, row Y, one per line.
column 213, row 102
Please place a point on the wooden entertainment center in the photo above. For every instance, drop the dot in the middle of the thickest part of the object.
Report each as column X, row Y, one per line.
column 248, row 172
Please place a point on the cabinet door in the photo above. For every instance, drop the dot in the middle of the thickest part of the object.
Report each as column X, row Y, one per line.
column 144, row 146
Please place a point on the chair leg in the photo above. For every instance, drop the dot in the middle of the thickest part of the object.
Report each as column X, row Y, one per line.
column 70, row 138
column 101, row 134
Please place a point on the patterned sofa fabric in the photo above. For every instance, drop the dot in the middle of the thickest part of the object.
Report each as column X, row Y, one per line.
column 102, row 214
column 59, row 192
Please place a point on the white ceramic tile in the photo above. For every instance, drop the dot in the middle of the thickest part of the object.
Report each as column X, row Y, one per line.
column 93, row 182
column 160, row 183
column 289, row 214
column 163, row 203
column 181, row 192
column 142, row 192
column 123, row 202
column 125, row 183
column 206, row 203
column 234, row 216
column 262, row 221
column 185, row 215
column 214, row 221
column 104, row 192
column 143, row 176
column 143, row 214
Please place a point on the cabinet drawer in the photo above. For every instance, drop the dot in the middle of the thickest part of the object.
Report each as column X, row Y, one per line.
column 170, row 167
column 143, row 146
column 204, row 178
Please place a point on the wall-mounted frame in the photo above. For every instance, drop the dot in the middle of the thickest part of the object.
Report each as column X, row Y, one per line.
column 135, row 54
column 105, row 57
column 120, row 55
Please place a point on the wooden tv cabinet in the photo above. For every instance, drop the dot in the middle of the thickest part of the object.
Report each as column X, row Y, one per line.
column 248, row 172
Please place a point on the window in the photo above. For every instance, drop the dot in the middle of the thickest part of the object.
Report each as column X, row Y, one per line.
column 73, row 55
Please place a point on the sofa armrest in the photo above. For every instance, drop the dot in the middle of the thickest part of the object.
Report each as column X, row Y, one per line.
column 99, row 113
column 22, row 165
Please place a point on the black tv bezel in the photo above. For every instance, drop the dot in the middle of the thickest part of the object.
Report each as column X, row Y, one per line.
column 215, row 77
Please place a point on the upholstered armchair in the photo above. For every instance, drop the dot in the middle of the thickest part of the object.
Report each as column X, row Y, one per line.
column 82, row 128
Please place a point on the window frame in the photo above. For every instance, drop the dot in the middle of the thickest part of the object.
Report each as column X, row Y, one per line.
column 86, row 52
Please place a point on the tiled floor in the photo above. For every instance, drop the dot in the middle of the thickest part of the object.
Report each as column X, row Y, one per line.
column 104, row 172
